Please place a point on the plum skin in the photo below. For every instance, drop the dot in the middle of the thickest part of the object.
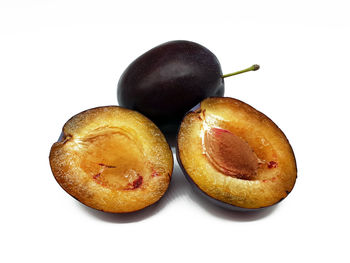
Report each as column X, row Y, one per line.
column 168, row 80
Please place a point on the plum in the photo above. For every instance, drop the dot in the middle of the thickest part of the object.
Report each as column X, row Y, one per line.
column 234, row 155
column 168, row 80
column 112, row 159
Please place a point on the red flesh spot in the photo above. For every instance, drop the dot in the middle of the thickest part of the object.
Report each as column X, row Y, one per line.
column 272, row 164
column 138, row 182
column 98, row 180
column 96, row 176
column 154, row 173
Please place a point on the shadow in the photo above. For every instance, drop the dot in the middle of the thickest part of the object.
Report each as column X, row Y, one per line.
column 171, row 137
column 179, row 187
column 123, row 218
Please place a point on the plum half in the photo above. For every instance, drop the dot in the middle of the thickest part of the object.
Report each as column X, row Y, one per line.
column 235, row 155
column 112, row 159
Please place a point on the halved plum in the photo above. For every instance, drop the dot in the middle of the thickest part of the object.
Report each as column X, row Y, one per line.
column 112, row 159
column 235, row 155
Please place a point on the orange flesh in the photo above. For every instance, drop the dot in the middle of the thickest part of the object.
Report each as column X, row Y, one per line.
column 230, row 154
column 114, row 160
column 247, row 161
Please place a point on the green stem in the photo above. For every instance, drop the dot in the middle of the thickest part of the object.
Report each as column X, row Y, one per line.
column 252, row 68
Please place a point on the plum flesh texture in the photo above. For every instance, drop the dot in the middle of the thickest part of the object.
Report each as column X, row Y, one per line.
column 112, row 159
column 168, row 80
column 231, row 178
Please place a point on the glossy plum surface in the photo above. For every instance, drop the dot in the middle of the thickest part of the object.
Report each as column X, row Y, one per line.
column 168, row 80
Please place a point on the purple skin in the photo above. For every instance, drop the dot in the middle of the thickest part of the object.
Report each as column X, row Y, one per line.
column 204, row 194
column 169, row 79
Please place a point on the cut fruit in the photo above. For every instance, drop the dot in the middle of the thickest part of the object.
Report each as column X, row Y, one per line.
column 235, row 155
column 112, row 159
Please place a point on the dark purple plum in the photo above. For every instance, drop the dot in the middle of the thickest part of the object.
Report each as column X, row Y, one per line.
column 168, row 80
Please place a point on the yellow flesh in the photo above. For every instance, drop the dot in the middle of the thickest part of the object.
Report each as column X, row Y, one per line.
column 267, row 141
column 112, row 159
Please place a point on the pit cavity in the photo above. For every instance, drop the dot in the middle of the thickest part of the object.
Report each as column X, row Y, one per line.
column 113, row 159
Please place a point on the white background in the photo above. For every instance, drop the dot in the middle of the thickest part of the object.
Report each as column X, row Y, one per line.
column 58, row 58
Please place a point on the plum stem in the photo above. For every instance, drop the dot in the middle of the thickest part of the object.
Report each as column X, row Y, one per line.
column 252, row 68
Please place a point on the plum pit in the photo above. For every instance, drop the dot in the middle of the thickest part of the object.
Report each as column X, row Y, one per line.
column 230, row 154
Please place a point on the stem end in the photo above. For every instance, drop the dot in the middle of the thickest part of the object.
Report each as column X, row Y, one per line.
column 256, row 67
column 252, row 68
